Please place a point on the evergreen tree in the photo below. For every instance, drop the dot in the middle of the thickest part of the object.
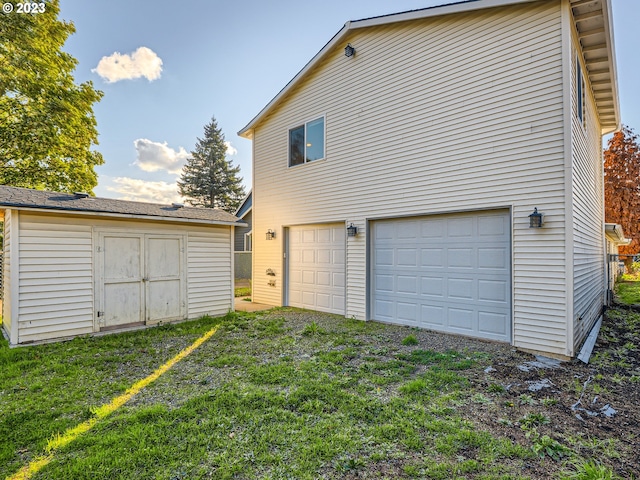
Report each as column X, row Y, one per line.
column 47, row 126
column 208, row 179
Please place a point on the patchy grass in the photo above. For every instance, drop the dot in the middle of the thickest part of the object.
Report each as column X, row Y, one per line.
column 242, row 291
column 628, row 292
column 291, row 394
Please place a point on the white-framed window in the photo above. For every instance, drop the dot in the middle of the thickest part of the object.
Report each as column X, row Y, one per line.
column 247, row 241
column 580, row 93
column 306, row 142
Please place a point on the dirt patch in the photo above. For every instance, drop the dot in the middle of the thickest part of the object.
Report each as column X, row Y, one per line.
column 592, row 409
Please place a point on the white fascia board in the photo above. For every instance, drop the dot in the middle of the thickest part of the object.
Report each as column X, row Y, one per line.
column 128, row 216
column 247, row 131
column 613, row 71
column 437, row 11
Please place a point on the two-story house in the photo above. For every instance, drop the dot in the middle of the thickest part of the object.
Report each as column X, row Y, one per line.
column 402, row 174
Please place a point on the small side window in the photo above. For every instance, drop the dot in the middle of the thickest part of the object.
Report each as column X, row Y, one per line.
column 580, row 93
column 306, row 142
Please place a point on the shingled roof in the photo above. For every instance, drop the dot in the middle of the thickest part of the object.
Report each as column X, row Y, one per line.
column 24, row 198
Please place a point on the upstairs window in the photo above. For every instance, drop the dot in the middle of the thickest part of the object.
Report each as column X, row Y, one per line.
column 306, row 142
column 580, row 94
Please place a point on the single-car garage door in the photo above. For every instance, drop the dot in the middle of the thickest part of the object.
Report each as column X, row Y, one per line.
column 450, row 273
column 316, row 257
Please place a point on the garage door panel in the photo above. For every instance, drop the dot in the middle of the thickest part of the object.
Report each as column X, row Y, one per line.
column 461, row 258
column 433, row 229
column 461, row 227
column 493, row 291
column 383, row 283
column 432, row 257
column 407, row 257
column 492, row 323
column 407, row 313
column 460, row 288
column 432, row 316
column 316, row 277
column 460, row 281
column 410, row 230
column 433, row 286
column 324, row 256
column 492, row 226
column 492, row 258
column 407, row 284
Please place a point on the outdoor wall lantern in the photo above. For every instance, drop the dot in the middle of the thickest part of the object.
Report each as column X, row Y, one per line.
column 535, row 219
column 349, row 51
column 352, row 230
column 271, row 234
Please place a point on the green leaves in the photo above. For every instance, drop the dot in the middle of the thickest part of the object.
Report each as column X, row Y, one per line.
column 47, row 125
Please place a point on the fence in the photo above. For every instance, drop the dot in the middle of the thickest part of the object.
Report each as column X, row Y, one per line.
column 242, row 262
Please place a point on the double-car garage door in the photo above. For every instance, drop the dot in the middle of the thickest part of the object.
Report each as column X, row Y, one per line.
column 450, row 273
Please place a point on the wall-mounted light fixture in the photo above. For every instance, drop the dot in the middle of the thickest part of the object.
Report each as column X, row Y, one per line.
column 349, row 51
column 352, row 230
column 535, row 219
column 271, row 234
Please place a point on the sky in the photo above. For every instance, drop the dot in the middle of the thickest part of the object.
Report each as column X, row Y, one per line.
column 167, row 67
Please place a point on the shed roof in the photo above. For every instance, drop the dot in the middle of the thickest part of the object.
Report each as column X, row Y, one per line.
column 25, row 198
column 592, row 19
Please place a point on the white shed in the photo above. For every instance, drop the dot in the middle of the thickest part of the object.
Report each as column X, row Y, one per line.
column 76, row 265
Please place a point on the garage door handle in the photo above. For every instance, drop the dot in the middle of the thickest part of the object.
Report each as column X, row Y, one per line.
column 145, row 279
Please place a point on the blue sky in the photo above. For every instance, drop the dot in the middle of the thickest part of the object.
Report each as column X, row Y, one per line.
column 180, row 63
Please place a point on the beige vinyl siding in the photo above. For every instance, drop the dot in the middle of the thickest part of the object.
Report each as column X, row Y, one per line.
column 239, row 233
column 461, row 112
column 588, row 212
column 209, row 272
column 56, row 278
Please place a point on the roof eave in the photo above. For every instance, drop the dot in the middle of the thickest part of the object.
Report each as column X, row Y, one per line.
column 91, row 213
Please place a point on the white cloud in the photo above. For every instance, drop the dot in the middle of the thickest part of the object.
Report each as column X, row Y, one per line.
column 144, row 191
column 231, row 150
column 142, row 63
column 154, row 156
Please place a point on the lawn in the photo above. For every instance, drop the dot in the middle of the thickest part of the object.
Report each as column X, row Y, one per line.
column 628, row 291
column 296, row 394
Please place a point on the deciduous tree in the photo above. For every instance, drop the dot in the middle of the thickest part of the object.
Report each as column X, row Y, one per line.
column 622, row 185
column 209, row 179
column 47, row 125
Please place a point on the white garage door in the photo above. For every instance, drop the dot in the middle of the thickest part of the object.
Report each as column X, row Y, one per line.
column 450, row 273
column 317, row 267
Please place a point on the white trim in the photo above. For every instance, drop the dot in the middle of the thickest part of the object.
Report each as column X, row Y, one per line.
column 462, row 7
column 304, row 125
column 14, row 283
column 613, row 70
column 568, row 63
column 244, row 200
column 151, row 218
column 232, row 255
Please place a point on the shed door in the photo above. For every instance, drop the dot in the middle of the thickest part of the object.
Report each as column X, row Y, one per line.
column 317, row 267
column 122, row 286
column 164, row 279
column 450, row 273
column 142, row 279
